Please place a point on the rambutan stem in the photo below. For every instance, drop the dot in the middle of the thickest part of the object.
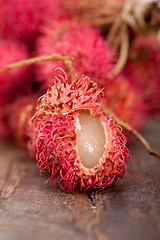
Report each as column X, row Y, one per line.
column 128, row 128
column 55, row 57
column 124, row 51
column 131, row 19
column 69, row 67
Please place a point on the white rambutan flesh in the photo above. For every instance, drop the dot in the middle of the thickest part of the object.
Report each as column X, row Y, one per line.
column 90, row 139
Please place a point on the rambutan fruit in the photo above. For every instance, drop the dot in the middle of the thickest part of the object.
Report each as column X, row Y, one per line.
column 91, row 55
column 23, row 19
column 17, row 81
column 13, row 83
column 125, row 98
column 20, row 122
column 143, row 66
column 76, row 142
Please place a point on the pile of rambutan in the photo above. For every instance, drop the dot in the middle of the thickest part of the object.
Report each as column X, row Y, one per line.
column 67, row 130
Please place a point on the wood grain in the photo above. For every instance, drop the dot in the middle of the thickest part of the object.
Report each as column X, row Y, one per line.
column 129, row 209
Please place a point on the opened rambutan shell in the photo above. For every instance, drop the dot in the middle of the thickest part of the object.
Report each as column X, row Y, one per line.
column 57, row 124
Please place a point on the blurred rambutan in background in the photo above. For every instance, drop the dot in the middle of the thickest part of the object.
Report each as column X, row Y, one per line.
column 17, row 81
column 23, row 19
column 125, row 98
column 91, row 55
column 20, row 122
column 13, row 83
column 144, row 67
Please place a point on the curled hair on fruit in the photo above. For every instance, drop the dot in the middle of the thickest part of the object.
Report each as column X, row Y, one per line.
column 76, row 142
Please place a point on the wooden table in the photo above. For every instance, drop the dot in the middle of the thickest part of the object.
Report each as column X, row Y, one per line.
column 128, row 210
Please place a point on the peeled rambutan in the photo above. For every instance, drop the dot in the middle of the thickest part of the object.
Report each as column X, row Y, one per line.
column 22, row 19
column 75, row 141
column 91, row 55
column 143, row 66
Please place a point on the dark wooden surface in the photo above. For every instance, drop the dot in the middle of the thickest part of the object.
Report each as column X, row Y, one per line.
column 128, row 210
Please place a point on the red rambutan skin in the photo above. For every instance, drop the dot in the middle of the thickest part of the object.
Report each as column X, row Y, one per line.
column 125, row 97
column 15, row 120
column 22, row 19
column 90, row 53
column 20, row 121
column 143, row 67
column 15, row 81
column 55, row 127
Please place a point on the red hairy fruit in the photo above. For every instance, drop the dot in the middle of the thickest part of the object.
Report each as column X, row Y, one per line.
column 91, row 56
column 17, row 126
column 125, row 97
column 13, row 82
column 22, row 19
column 20, row 122
column 143, row 66
column 75, row 141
